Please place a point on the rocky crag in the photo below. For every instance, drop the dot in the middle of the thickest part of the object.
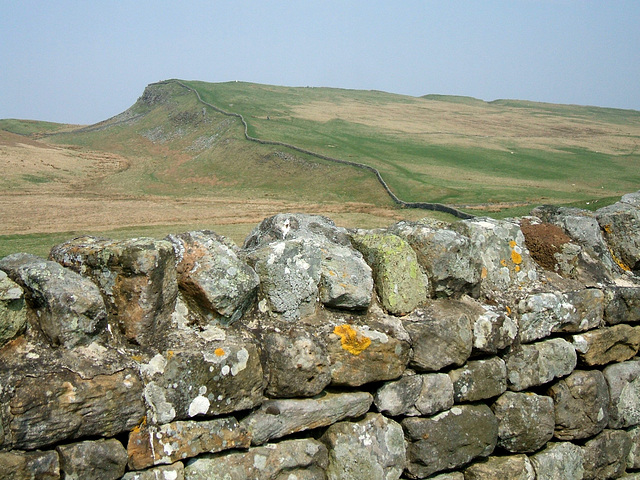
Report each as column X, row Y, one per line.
column 480, row 349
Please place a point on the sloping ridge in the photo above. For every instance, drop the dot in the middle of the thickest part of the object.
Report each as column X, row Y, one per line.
column 421, row 205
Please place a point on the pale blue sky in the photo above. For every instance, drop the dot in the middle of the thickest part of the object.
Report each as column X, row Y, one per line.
column 85, row 61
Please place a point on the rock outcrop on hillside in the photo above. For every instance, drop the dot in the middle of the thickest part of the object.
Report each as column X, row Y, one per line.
column 473, row 350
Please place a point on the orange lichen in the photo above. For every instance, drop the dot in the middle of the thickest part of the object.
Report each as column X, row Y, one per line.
column 503, row 262
column 352, row 340
column 483, row 272
column 516, row 257
column 219, row 352
column 169, row 354
column 607, row 228
column 508, row 309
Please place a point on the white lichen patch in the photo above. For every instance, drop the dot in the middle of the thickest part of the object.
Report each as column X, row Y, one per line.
column 199, row 406
column 243, row 357
column 212, row 334
column 374, row 334
column 259, row 462
column 155, row 366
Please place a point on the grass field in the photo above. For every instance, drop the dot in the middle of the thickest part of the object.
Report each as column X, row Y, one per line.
column 170, row 163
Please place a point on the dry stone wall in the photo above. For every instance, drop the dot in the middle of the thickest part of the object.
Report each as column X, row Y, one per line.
column 479, row 349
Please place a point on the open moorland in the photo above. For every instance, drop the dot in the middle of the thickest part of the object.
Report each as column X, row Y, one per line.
column 176, row 161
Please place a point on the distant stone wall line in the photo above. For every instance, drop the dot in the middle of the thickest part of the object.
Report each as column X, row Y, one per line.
column 421, row 205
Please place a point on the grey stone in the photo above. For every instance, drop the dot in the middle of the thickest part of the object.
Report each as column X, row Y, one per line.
column 500, row 245
column 212, row 276
column 633, row 459
column 137, row 278
column 13, row 314
column 512, row 467
column 448, row 476
column 399, row 396
column 435, row 396
column 104, row 459
column 175, row 471
column 372, row 448
column 632, row 199
column 622, row 304
column 559, row 461
column 17, row 465
column 581, row 405
column 493, row 327
column 620, row 224
column 605, row 456
column 398, row 279
column 539, row 363
column 440, row 334
column 154, row 445
column 624, row 392
column 525, row 421
column 212, row 372
column 479, row 379
column 304, row 459
column 449, row 439
column 606, row 345
column 445, row 256
column 277, row 418
column 69, row 308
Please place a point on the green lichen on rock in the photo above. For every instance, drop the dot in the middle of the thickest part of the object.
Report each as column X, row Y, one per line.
column 399, row 282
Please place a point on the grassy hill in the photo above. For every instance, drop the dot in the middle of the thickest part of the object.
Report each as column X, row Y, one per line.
column 172, row 160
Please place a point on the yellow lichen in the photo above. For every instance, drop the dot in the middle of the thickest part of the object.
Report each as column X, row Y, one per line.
column 484, row 272
column 513, row 244
column 352, row 340
column 607, row 228
column 503, row 262
column 169, row 354
column 508, row 309
column 219, row 352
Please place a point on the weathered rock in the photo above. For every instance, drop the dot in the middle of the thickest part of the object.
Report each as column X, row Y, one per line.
column 539, row 363
column 440, row 335
column 605, row 456
column 137, row 278
column 372, row 448
column 606, row 345
column 559, row 461
column 399, row 282
column 512, row 467
column 445, row 256
column 622, row 305
column 361, row 354
column 104, row 459
column 289, row 274
column 154, row 445
column 501, row 248
column 493, row 327
column 624, row 393
column 449, row 439
column 581, row 405
column 277, row 418
column 620, row 224
column 632, row 199
column 547, row 312
column 414, row 395
column 479, row 379
column 207, row 373
column 69, row 308
column 13, row 314
column 345, row 278
column 174, row 471
column 211, row 274
column 296, row 359
column 304, row 459
column 49, row 396
column 633, row 459
column 17, row 465
column 525, row 421
column 448, row 476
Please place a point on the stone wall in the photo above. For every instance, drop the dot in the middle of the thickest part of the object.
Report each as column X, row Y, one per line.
column 479, row 349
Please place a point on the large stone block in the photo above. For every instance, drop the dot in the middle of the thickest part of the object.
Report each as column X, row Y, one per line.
column 69, row 308
column 622, row 304
column 581, row 405
column 304, row 459
column 137, row 278
column 624, row 393
column 449, row 439
column 559, row 461
column 539, row 363
column 494, row 329
column 17, row 465
column 103, row 459
column 212, row 276
column 441, row 335
column 525, row 421
column 277, row 418
column 372, row 448
column 175, row 471
column 415, row 395
column 512, row 467
column 620, row 225
column 445, row 256
column 605, row 456
column 479, row 379
column 606, row 345
column 398, row 279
